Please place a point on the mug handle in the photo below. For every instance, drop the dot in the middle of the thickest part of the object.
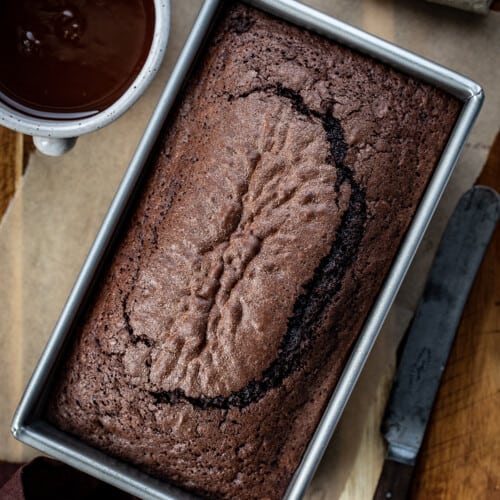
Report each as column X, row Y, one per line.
column 53, row 146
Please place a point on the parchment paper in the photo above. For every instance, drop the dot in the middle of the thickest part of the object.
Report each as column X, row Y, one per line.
column 54, row 218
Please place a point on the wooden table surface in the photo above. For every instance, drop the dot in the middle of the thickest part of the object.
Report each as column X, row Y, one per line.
column 11, row 166
column 460, row 456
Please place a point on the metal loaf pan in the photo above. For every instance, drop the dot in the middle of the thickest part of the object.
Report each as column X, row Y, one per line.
column 30, row 428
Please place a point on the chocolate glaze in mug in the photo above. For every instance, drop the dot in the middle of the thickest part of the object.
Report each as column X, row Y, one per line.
column 71, row 67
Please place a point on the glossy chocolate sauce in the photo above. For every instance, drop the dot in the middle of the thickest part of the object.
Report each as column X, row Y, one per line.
column 69, row 59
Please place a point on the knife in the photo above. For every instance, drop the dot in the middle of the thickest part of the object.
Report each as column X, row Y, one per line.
column 431, row 334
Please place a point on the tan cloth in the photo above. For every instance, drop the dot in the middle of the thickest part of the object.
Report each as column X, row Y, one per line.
column 54, row 218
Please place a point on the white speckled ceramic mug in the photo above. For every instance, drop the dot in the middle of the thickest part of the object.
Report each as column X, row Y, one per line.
column 56, row 137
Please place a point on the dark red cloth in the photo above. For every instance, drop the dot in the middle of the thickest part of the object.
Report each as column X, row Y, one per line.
column 7, row 470
column 47, row 479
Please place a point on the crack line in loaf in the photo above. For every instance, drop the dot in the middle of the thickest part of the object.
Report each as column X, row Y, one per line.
column 312, row 305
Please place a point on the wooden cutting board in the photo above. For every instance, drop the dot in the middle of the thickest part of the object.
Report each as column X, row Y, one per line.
column 460, row 458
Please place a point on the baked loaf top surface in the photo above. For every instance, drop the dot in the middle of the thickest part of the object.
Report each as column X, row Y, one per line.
column 284, row 184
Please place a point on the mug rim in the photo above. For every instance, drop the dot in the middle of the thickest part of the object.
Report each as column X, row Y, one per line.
column 42, row 127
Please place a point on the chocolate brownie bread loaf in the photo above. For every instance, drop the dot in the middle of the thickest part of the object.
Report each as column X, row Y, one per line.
column 282, row 188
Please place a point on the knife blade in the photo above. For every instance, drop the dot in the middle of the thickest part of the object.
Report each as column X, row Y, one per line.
column 431, row 334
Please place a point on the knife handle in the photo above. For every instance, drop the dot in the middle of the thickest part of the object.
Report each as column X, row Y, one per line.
column 394, row 482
